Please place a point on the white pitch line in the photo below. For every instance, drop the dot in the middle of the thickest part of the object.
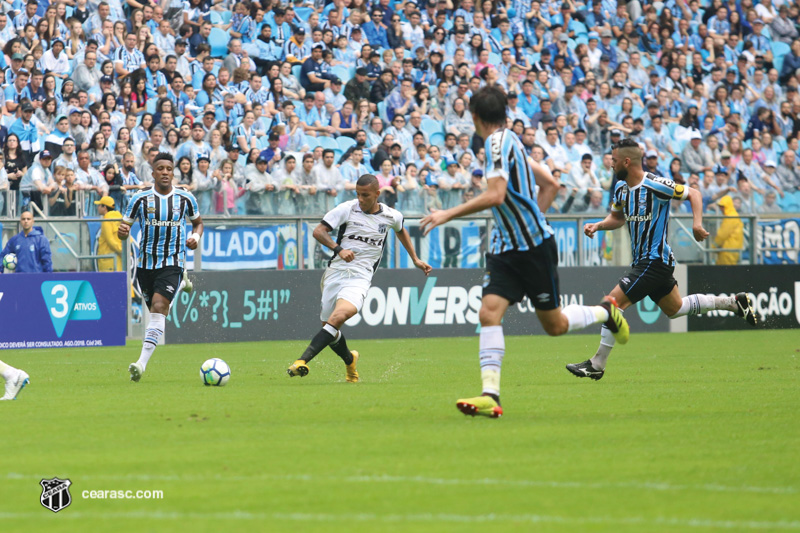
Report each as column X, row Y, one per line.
column 698, row 523
column 632, row 485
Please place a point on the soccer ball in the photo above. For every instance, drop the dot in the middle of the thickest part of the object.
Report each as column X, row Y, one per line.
column 215, row 372
column 10, row 262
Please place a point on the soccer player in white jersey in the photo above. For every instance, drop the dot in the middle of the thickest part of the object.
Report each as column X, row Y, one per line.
column 523, row 259
column 364, row 226
column 642, row 201
column 15, row 378
column 162, row 248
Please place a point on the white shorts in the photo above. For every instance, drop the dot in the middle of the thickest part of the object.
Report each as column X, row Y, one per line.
column 342, row 285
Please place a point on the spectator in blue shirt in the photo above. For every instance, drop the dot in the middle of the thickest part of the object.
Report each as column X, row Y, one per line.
column 375, row 31
column 311, row 75
column 30, row 246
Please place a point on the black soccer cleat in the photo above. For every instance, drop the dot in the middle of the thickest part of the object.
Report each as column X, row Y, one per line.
column 744, row 308
column 586, row 370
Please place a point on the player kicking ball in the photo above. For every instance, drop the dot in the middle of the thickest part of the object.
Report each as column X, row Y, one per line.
column 523, row 256
column 642, row 200
column 16, row 380
column 363, row 224
column 162, row 250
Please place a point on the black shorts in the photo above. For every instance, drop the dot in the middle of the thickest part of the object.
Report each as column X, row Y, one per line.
column 513, row 275
column 164, row 281
column 648, row 278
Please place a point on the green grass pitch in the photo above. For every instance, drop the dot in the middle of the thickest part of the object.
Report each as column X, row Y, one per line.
column 686, row 432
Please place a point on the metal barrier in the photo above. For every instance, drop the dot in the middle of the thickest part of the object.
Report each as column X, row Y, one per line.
column 75, row 239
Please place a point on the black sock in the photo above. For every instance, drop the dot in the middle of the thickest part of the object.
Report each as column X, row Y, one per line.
column 341, row 349
column 495, row 397
column 318, row 343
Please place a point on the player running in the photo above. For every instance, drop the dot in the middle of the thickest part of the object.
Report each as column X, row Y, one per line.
column 15, row 378
column 363, row 224
column 162, row 249
column 643, row 200
column 523, row 256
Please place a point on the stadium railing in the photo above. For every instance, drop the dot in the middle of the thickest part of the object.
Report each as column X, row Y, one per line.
column 461, row 243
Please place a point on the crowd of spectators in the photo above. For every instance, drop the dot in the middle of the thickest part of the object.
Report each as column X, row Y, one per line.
column 277, row 108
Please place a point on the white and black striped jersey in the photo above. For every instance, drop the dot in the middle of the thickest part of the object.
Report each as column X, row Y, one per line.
column 364, row 234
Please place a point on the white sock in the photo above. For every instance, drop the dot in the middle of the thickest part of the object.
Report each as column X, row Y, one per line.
column 492, row 349
column 728, row 303
column 697, row 304
column 604, row 350
column 155, row 329
column 7, row 371
column 581, row 316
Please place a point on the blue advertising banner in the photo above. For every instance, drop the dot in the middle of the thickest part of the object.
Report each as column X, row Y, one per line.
column 239, row 247
column 783, row 233
column 246, row 247
column 62, row 310
column 459, row 244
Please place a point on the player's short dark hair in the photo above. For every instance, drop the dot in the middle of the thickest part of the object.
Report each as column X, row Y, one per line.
column 631, row 148
column 163, row 156
column 627, row 143
column 489, row 104
column 288, row 158
column 327, row 151
column 367, row 180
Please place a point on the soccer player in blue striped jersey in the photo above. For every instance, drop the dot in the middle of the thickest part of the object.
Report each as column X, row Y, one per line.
column 642, row 200
column 162, row 248
column 523, row 256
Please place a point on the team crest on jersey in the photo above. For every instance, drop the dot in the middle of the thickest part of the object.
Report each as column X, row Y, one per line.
column 382, row 228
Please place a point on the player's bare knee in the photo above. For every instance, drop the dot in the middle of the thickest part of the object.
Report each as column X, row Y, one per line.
column 338, row 318
column 555, row 329
column 490, row 316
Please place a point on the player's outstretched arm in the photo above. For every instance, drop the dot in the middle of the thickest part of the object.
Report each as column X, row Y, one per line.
column 493, row 196
column 123, row 231
column 197, row 232
column 405, row 240
column 614, row 220
column 696, row 201
column 548, row 185
column 324, row 238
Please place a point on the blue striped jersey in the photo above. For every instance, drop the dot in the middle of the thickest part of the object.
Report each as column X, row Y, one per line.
column 163, row 239
column 646, row 209
column 519, row 225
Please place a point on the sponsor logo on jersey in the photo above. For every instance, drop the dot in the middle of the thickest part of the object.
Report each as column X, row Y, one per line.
column 164, row 223
column 366, row 240
column 639, row 218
